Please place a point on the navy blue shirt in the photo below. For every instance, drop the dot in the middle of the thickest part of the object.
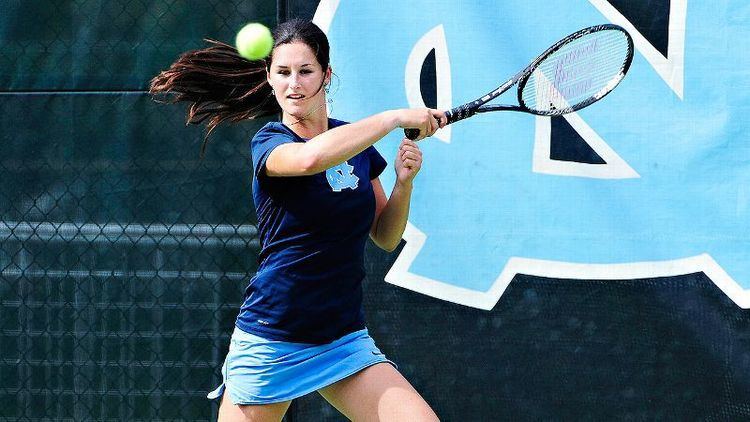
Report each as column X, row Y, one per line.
column 312, row 232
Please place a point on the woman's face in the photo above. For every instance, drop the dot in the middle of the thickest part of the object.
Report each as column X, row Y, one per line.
column 296, row 78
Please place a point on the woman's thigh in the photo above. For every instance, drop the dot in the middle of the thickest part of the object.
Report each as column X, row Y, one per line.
column 378, row 393
column 229, row 412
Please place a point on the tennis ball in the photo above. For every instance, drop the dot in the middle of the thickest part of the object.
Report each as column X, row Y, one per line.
column 254, row 41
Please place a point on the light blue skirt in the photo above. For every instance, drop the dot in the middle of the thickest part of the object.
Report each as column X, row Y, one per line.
column 260, row 371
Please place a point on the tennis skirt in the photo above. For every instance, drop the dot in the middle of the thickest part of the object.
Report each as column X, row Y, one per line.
column 261, row 371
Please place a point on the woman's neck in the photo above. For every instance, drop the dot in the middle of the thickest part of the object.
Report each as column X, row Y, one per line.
column 309, row 126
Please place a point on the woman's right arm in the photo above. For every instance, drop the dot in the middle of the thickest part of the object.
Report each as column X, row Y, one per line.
column 344, row 142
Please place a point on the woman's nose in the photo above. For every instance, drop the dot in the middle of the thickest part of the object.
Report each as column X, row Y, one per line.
column 294, row 82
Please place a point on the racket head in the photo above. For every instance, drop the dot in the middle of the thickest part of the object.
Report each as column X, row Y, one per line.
column 577, row 71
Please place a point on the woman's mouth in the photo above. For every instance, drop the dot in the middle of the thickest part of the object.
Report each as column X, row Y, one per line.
column 295, row 96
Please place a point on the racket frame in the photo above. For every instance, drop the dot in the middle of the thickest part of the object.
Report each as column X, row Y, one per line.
column 521, row 78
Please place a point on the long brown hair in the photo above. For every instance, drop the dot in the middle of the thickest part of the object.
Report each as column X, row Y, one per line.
column 221, row 85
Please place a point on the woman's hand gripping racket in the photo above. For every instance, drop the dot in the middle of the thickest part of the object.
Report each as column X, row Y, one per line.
column 577, row 71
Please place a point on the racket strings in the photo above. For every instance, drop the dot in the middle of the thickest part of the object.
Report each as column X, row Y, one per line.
column 572, row 90
column 607, row 65
column 578, row 73
column 611, row 54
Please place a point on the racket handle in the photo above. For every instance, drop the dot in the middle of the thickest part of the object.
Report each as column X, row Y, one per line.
column 413, row 134
column 464, row 111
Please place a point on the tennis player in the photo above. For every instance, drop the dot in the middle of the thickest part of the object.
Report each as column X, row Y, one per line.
column 317, row 195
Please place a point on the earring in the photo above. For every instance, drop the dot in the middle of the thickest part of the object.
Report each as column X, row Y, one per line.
column 273, row 92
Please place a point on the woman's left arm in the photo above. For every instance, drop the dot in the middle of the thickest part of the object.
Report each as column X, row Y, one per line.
column 392, row 213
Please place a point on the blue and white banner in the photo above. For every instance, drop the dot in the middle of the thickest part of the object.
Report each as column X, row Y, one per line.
column 652, row 181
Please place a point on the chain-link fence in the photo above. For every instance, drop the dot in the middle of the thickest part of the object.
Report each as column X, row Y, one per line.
column 123, row 256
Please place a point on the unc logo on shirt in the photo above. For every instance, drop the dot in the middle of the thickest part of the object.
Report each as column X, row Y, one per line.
column 342, row 177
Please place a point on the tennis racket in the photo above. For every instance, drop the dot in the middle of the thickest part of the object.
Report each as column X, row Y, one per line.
column 575, row 72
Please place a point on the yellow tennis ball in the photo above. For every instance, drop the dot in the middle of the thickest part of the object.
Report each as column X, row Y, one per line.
column 254, row 41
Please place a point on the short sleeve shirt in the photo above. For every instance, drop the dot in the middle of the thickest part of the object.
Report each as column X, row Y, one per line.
column 312, row 232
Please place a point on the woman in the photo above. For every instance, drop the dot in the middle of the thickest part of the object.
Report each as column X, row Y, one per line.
column 317, row 196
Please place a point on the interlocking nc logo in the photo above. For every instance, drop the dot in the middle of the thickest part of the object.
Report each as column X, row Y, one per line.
column 342, row 177
column 652, row 181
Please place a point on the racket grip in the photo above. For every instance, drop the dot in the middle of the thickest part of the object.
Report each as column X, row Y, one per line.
column 413, row 134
